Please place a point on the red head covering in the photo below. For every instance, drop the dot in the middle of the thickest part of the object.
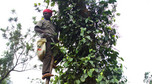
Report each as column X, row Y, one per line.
column 48, row 11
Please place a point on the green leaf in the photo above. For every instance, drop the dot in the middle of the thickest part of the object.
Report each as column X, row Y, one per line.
column 112, row 1
column 100, row 77
column 114, row 80
column 65, row 64
column 118, row 14
column 82, row 79
column 98, row 58
column 85, row 76
column 64, row 27
column 83, row 40
column 88, row 58
column 53, row 3
column 47, row 1
column 7, row 43
column 63, row 50
column 74, row 21
column 3, row 30
column 39, row 4
column 86, row 21
column 113, row 36
column 77, row 81
column 90, row 50
column 101, row 73
column 77, row 51
column 97, row 31
column 96, row 70
column 88, row 32
column 91, row 62
column 35, row 4
column 84, row 71
column 71, row 16
column 82, row 31
column 70, row 59
column 88, row 37
column 83, row 59
column 111, row 68
column 121, row 58
column 90, row 72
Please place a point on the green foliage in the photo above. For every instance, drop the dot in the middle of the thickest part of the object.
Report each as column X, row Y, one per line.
column 89, row 40
column 36, row 81
column 87, row 37
column 147, row 78
column 19, row 49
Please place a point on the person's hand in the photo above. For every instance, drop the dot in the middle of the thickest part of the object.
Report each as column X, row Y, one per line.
column 45, row 35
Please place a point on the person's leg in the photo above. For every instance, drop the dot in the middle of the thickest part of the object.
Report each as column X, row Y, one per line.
column 46, row 62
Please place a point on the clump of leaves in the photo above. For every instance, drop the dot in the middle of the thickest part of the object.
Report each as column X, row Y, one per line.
column 147, row 78
column 88, row 34
column 87, row 37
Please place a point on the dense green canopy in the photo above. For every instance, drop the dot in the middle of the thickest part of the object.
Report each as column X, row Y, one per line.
column 87, row 35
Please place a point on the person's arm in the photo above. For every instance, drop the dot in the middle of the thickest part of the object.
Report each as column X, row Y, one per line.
column 42, row 31
column 37, row 29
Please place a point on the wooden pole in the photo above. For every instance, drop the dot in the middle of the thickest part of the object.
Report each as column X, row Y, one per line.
column 51, row 67
column 47, row 81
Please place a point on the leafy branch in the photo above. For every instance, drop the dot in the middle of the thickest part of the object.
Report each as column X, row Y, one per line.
column 20, row 48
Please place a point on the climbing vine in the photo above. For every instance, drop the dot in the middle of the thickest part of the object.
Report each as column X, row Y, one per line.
column 87, row 37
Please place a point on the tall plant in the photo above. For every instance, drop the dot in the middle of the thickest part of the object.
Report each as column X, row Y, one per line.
column 87, row 38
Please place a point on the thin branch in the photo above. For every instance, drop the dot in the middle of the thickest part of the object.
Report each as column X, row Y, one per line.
column 16, row 64
column 3, row 77
column 22, row 70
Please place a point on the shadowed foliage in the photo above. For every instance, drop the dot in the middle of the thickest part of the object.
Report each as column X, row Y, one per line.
column 87, row 38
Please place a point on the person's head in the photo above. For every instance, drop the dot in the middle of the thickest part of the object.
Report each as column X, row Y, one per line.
column 47, row 13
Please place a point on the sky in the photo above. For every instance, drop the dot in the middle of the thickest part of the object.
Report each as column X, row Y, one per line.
column 135, row 40
column 134, row 27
